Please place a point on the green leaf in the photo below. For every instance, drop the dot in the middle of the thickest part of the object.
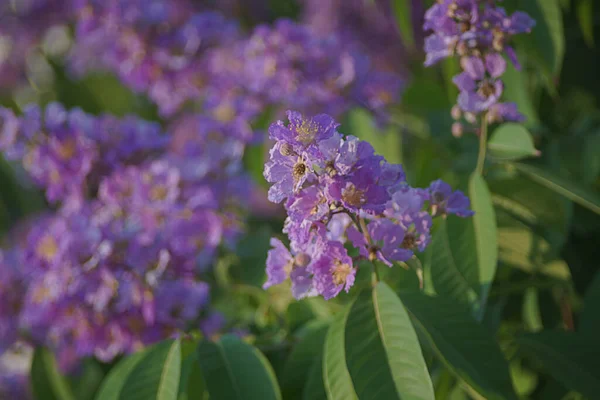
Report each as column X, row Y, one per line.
column 301, row 360
column 336, row 378
column 484, row 225
column 565, row 187
column 254, row 160
column 115, row 380
column 232, row 369
column 450, row 275
column 548, row 38
column 464, row 252
column 589, row 324
column 570, row 360
column 511, row 141
column 403, row 12
column 585, row 16
column 47, row 383
column 315, row 388
column 516, row 90
column 383, row 354
column 533, row 207
column 156, row 375
column 466, row 347
column 191, row 384
column 88, row 380
column 525, row 380
column 532, row 318
column 387, row 143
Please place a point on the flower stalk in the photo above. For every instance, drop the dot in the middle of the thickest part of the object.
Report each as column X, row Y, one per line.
column 482, row 145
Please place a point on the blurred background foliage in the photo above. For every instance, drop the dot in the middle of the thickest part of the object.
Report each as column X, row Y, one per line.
column 547, row 211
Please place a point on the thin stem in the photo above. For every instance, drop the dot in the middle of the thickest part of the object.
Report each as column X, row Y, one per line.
column 482, row 144
column 362, row 226
column 376, row 271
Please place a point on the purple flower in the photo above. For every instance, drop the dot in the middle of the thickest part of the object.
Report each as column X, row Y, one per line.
column 180, row 301
column 478, row 92
column 9, row 126
column 359, row 192
column 287, row 171
column 281, row 265
column 386, row 238
column 444, row 201
column 479, row 33
column 351, row 194
column 310, row 204
column 303, row 133
column 212, row 324
column 437, row 48
column 333, row 271
column 504, row 112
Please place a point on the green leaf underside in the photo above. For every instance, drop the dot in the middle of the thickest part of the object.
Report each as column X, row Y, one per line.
column 402, row 9
column 463, row 252
column 46, row 381
column 560, row 185
column 113, row 384
column 462, row 344
column 486, row 236
column 569, row 359
column 383, row 354
column 301, row 360
column 191, row 384
column 336, row 378
column 589, row 324
column 232, row 369
column 511, row 141
column 547, row 36
column 585, row 16
column 156, row 375
column 451, row 275
column 315, row 388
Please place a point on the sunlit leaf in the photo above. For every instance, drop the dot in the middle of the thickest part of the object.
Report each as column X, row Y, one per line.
column 382, row 350
column 337, row 380
column 511, row 141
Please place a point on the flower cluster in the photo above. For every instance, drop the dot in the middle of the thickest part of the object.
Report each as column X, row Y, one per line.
column 288, row 65
column 66, row 152
column 154, row 48
column 479, row 32
column 336, row 189
column 369, row 25
column 122, row 267
column 176, row 54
